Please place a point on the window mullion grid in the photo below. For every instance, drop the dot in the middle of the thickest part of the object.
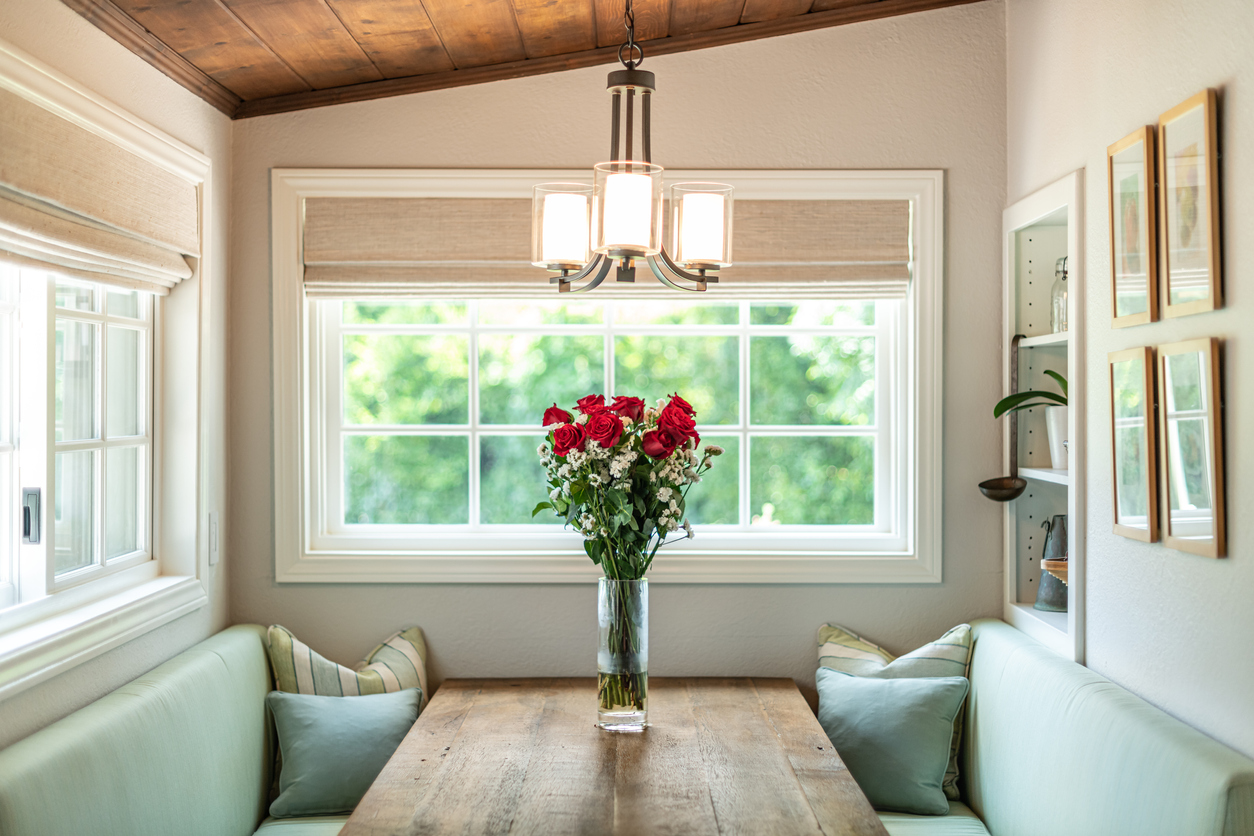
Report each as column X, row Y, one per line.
column 744, row 511
column 102, row 430
column 473, row 406
column 330, row 491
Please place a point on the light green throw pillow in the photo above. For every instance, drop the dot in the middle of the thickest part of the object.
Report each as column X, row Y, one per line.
column 333, row 749
column 950, row 655
column 894, row 735
column 398, row 663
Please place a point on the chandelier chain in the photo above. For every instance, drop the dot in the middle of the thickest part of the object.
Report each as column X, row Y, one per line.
column 632, row 48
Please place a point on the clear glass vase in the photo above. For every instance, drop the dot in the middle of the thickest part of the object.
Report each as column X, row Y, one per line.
column 623, row 654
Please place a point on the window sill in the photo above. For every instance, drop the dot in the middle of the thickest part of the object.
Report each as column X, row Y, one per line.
column 41, row 649
column 556, row 567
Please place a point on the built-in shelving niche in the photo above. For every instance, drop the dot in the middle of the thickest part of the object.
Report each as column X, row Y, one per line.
column 1037, row 231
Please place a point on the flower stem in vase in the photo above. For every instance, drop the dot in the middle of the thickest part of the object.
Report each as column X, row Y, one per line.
column 622, row 658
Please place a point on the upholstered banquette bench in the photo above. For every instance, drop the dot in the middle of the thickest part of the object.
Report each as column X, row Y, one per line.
column 1050, row 749
column 185, row 750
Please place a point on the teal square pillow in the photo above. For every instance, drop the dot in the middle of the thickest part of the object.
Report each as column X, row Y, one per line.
column 894, row 735
column 334, row 747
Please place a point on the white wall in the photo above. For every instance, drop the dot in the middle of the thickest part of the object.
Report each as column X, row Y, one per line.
column 1172, row 627
column 52, row 33
column 923, row 91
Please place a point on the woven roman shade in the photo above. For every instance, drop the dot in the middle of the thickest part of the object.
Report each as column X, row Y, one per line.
column 440, row 247
column 73, row 201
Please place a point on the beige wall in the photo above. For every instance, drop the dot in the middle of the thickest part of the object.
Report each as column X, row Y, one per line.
column 52, row 33
column 924, row 91
column 1172, row 627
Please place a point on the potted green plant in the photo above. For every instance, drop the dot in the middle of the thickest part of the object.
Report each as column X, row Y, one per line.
column 1055, row 415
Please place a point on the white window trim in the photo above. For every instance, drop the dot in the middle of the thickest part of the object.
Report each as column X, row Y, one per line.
column 45, row 637
column 297, row 561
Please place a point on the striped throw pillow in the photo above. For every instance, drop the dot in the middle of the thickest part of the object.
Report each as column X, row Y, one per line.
column 950, row 655
column 398, row 663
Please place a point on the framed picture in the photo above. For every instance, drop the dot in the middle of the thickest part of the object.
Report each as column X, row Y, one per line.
column 1133, row 229
column 1188, row 188
column 1190, row 447
column 1132, row 443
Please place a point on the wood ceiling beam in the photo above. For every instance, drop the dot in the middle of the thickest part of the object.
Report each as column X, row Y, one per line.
column 120, row 26
column 115, row 22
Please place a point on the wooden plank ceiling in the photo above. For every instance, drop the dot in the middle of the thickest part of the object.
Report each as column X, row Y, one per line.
column 253, row 57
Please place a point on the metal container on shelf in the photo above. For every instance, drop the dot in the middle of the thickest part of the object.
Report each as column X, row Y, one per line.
column 1051, row 592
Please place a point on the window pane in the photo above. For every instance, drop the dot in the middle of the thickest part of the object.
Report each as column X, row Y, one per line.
column 75, row 478
column 406, row 379
column 399, row 479
column 521, row 375
column 715, row 500
column 76, row 380
column 122, row 503
column 807, row 480
column 511, row 480
column 122, row 386
column 405, row 313
column 124, row 303
column 815, row 314
column 669, row 312
column 702, row 369
column 513, row 312
column 812, row 380
column 76, row 297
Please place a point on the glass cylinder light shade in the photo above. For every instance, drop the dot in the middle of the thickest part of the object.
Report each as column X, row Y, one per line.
column 701, row 225
column 627, row 209
column 559, row 225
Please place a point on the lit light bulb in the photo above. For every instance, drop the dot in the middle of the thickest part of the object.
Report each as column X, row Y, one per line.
column 701, row 228
column 564, row 236
column 628, row 212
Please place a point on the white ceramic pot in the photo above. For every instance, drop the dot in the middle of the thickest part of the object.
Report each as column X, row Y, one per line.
column 1056, row 430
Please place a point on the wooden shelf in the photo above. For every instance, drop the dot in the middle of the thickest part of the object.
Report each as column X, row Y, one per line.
column 1045, row 339
column 1046, row 474
column 1048, row 628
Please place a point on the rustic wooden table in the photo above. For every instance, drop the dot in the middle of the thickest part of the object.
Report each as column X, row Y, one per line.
column 523, row 756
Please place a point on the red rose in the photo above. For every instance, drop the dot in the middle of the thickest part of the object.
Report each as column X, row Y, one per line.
column 567, row 437
column 591, row 404
column 555, row 415
column 605, row 428
column 628, row 407
column 677, row 422
column 682, row 405
column 660, row 443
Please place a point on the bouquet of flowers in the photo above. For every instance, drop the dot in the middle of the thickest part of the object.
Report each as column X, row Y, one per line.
column 620, row 474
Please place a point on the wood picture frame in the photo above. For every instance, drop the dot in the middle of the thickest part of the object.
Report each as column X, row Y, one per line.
column 1133, row 453
column 1188, row 202
column 1190, row 447
column 1133, row 197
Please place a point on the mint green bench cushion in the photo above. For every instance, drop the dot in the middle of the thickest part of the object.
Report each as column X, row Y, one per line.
column 1054, row 748
column 306, row 826
column 961, row 821
column 181, row 750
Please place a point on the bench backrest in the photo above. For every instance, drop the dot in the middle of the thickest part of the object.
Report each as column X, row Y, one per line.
column 184, row 749
column 1053, row 748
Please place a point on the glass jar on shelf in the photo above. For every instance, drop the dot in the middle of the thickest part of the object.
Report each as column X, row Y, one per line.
column 1058, row 297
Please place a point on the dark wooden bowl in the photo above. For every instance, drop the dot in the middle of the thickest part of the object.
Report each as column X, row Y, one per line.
column 1004, row 488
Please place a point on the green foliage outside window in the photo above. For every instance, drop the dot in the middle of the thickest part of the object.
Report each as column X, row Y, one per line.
column 820, row 379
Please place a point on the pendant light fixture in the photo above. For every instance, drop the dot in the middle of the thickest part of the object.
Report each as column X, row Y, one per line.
column 580, row 231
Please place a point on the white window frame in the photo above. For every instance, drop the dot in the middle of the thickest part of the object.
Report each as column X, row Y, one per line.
column 304, row 553
column 10, row 498
column 46, row 634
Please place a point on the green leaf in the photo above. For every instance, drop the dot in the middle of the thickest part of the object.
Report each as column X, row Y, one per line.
column 541, row 507
column 1059, row 379
column 1013, row 403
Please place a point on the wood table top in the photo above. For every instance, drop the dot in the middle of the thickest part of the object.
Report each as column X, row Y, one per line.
column 524, row 756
